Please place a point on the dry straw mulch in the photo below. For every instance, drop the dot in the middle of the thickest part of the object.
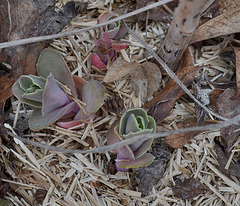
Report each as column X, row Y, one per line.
column 75, row 179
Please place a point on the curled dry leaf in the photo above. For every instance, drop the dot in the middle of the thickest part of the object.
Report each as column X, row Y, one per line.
column 179, row 140
column 119, row 69
column 150, row 175
column 234, row 167
column 145, row 77
column 224, row 24
column 140, row 83
column 228, row 106
column 188, row 189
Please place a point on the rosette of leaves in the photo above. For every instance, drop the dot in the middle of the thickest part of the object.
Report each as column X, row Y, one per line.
column 107, row 41
column 134, row 121
column 55, row 94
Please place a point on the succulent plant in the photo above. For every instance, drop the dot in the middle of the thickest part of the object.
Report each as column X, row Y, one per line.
column 50, row 102
column 133, row 122
column 107, row 48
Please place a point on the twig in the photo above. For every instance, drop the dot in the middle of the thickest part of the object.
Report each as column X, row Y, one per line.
column 54, row 36
column 125, row 142
column 171, row 73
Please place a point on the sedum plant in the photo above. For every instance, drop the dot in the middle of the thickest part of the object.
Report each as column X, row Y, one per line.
column 133, row 122
column 56, row 95
column 107, row 42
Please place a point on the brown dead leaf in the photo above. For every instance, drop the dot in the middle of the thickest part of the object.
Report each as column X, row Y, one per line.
column 188, row 189
column 162, row 104
column 145, row 77
column 154, row 77
column 234, row 168
column 119, row 69
column 224, row 24
column 179, row 140
column 156, row 14
column 229, row 107
column 139, row 82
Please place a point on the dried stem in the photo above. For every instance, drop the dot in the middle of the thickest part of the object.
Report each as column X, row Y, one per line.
column 185, row 21
column 54, row 36
column 210, row 127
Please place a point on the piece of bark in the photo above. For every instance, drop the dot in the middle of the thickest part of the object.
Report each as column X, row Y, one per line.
column 185, row 21
column 150, row 175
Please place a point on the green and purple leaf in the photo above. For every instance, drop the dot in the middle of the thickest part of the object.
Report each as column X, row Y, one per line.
column 92, row 94
column 143, row 161
column 50, row 61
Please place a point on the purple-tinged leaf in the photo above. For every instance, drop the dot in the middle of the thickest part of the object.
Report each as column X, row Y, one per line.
column 93, row 95
column 145, row 146
column 143, row 161
column 124, row 151
column 117, row 46
column 97, row 62
column 79, row 82
column 53, row 96
column 70, row 124
column 37, row 121
column 50, row 61
column 112, row 137
column 122, row 33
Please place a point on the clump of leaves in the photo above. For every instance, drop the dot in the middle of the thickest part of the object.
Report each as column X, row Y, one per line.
column 57, row 95
column 107, row 41
column 133, row 122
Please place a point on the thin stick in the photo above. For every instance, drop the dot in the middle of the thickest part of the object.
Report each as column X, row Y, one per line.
column 125, row 142
column 171, row 73
column 54, row 36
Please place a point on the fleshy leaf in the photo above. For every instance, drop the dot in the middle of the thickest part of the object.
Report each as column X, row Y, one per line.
column 112, row 138
column 124, row 151
column 97, row 62
column 50, row 61
column 37, row 121
column 143, row 161
column 136, row 112
column 18, row 92
column 79, row 82
column 117, row 46
column 34, row 96
column 93, row 95
column 134, row 146
column 145, row 146
column 131, row 125
column 151, row 124
column 53, row 96
column 70, row 124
